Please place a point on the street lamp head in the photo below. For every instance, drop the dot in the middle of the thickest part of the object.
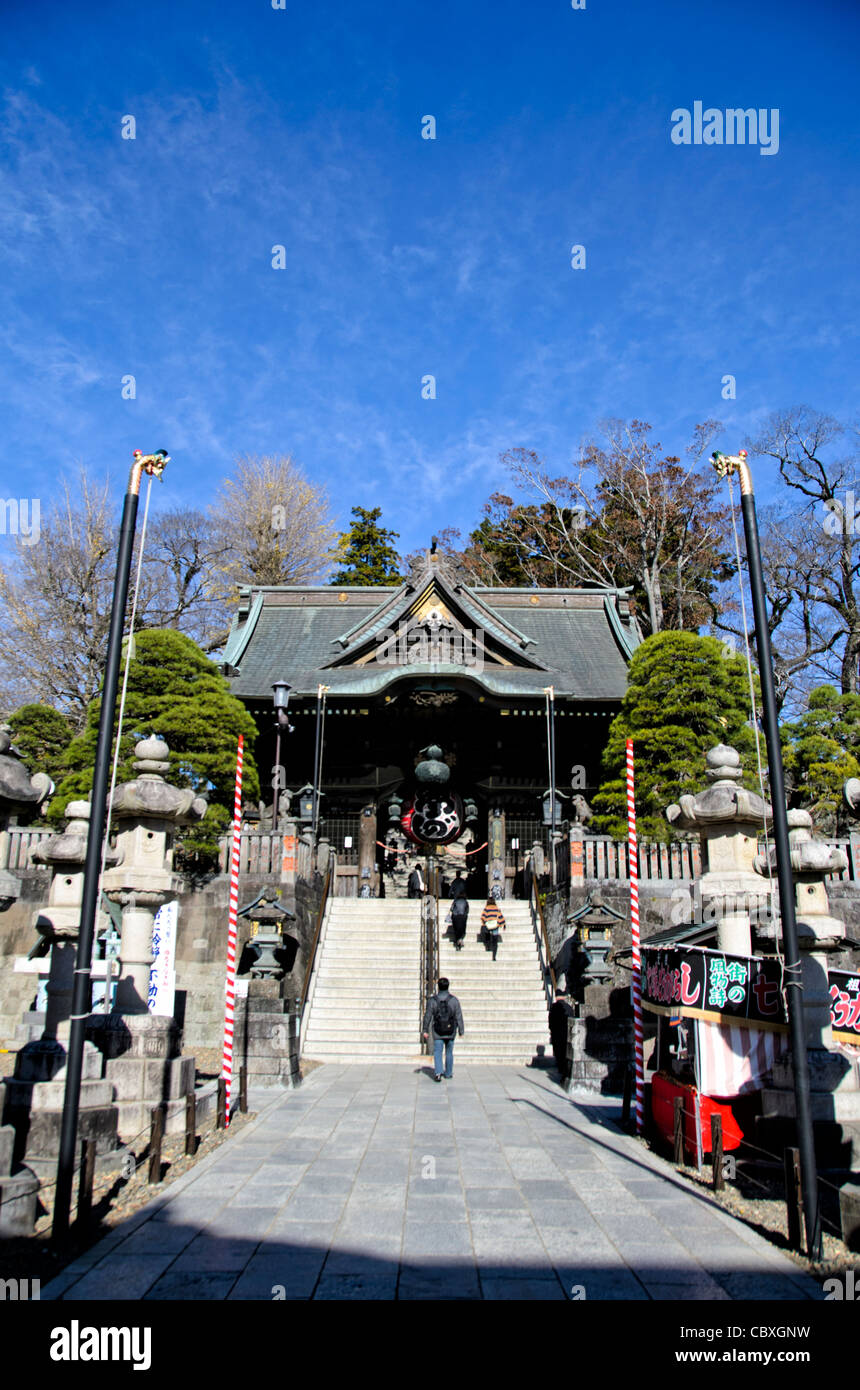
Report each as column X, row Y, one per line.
column 281, row 696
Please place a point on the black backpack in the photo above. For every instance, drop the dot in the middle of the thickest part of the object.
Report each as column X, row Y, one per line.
column 444, row 1018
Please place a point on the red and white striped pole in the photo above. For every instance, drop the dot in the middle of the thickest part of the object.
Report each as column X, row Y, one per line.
column 633, row 874
column 230, row 1001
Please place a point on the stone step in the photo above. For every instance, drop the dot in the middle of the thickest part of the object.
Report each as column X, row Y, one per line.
column 393, row 1033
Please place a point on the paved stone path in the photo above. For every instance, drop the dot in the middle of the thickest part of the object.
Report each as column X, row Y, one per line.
column 375, row 1182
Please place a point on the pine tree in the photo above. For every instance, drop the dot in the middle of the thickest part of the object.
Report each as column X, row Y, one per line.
column 41, row 735
column 821, row 749
column 176, row 692
column 685, row 694
column 366, row 553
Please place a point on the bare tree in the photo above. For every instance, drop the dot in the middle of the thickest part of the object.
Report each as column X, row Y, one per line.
column 801, row 638
column 183, row 585
column 56, row 600
column 268, row 526
column 823, row 569
column 625, row 517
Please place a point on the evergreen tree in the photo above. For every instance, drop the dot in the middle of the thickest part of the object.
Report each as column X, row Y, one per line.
column 821, row 749
column 41, row 734
column 365, row 552
column 685, row 694
column 176, row 692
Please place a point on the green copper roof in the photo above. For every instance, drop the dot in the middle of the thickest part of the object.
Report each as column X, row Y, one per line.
column 577, row 640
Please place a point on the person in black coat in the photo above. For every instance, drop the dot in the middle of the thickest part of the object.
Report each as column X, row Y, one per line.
column 415, row 883
column 459, row 920
column 560, row 1012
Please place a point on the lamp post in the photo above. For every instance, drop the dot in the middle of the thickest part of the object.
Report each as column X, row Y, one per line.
column 550, row 753
column 322, row 691
column 280, row 700
column 725, row 465
column 153, row 466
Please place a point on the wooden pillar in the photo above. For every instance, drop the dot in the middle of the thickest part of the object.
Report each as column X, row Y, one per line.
column 577, row 854
column 496, row 852
column 288, row 856
column 367, row 849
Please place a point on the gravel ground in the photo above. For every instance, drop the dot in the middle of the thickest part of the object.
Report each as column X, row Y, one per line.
column 759, row 1201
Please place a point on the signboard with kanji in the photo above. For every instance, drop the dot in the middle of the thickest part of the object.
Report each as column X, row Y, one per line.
column 845, row 1006
column 699, row 983
column 162, row 974
column 694, row 982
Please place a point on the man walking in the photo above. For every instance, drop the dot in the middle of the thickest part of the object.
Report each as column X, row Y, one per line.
column 444, row 1018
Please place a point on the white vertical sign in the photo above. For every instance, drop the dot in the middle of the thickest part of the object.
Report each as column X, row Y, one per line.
column 162, row 974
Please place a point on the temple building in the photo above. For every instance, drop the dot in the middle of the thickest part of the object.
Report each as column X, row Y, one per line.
column 464, row 690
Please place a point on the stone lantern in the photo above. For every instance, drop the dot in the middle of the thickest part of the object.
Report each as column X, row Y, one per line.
column 147, row 810
column 729, row 820
column 32, row 1099
column 19, row 794
column 594, row 923
column 142, row 1049
column 268, row 920
column 59, row 922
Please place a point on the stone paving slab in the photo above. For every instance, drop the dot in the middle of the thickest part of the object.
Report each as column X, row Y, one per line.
column 372, row 1183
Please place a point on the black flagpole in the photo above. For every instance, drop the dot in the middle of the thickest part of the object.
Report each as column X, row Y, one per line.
column 152, row 464
column 726, row 464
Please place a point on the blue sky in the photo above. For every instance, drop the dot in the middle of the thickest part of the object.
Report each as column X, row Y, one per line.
column 405, row 257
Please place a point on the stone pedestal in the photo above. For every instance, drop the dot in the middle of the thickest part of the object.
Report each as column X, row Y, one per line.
column 32, row 1102
column 143, row 1066
column 599, row 1052
column 849, row 1212
column 265, row 1037
column 19, row 1188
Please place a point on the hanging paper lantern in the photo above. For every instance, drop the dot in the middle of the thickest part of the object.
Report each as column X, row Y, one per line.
column 433, row 817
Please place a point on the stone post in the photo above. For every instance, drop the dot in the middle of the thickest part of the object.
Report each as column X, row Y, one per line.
column 729, row 820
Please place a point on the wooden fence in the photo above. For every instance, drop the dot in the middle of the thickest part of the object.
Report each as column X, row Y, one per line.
column 604, row 858
column 261, row 855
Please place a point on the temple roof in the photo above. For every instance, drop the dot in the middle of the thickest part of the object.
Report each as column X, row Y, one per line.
column 360, row 641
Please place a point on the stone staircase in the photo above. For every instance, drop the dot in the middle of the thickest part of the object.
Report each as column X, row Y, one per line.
column 371, row 952
column 503, row 1001
column 366, row 1002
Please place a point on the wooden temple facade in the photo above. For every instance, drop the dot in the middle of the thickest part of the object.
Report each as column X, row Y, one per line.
column 379, row 675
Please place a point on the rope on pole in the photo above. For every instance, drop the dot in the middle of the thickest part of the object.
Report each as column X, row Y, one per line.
column 230, row 993
column 633, row 878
